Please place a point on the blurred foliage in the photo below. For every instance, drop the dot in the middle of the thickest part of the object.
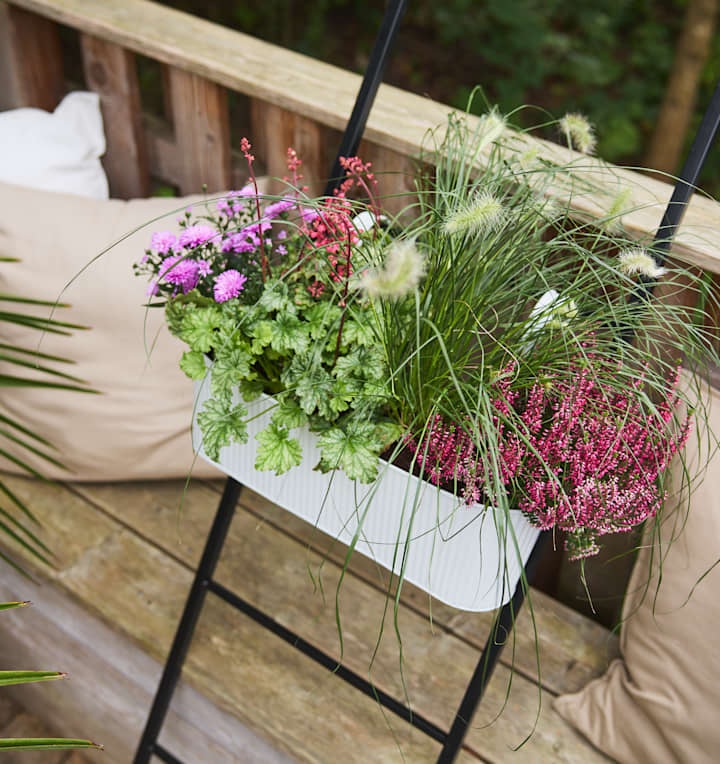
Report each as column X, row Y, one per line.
column 609, row 60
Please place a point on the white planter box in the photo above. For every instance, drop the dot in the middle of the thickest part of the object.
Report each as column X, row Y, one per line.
column 467, row 557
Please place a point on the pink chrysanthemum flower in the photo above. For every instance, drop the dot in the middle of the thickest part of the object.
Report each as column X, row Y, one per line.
column 204, row 267
column 228, row 285
column 195, row 235
column 182, row 272
column 162, row 242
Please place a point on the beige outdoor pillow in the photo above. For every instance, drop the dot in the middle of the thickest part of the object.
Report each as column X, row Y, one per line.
column 660, row 703
column 139, row 427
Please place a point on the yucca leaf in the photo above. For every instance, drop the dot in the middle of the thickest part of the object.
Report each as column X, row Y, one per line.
column 21, row 541
column 29, row 447
column 44, row 744
column 25, row 677
column 12, row 423
column 14, row 565
column 4, row 297
column 38, row 367
column 8, row 380
column 36, row 354
column 18, row 503
column 24, row 530
column 47, row 324
column 12, row 605
column 19, row 463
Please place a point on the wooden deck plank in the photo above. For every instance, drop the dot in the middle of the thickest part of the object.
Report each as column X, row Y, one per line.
column 24, row 724
column 111, row 684
column 263, row 681
column 573, row 648
column 269, row 569
column 399, row 120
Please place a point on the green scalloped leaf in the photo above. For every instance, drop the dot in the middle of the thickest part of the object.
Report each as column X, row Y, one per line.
column 277, row 450
column 222, row 424
column 353, row 451
column 193, row 364
column 198, row 328
column 227, row 372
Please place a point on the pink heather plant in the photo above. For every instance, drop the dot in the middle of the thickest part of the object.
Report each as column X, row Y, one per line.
column 584, row 458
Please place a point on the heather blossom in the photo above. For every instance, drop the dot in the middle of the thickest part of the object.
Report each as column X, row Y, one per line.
column 588, row 463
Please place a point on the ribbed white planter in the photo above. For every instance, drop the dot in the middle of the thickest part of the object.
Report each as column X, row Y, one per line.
column 467, row 557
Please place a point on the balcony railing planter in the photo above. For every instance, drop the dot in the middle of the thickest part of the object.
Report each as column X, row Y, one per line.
column 482, row 338
column 463, row 556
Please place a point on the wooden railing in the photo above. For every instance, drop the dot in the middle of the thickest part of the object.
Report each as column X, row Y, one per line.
column 291, row 99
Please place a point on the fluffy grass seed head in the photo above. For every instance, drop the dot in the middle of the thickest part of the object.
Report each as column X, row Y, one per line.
column 484, row 214
column 400, row 274
column 639, row 261
column 619, row 206
column 492, row 126
column 578, row 132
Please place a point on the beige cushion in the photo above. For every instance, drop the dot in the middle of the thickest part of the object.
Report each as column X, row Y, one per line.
column 660, row 703
column 139, row 427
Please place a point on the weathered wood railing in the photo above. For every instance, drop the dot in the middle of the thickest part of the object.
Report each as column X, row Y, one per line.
column 290, row 99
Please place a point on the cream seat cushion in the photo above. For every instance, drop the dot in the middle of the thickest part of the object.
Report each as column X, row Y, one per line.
column 138, row 428
column 660, row 702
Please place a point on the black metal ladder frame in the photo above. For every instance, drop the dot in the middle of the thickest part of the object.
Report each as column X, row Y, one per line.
column 505, row 618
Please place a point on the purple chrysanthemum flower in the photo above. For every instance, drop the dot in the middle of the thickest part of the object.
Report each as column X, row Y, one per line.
column 195, row 235
column 228, row 285
column 240, row 242
column 183, row 272
column 162, row 242
column 308, row 214
column 277, row 208
column 204, row 267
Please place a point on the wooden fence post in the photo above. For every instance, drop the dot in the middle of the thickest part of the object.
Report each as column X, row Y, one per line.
column 202, row 132
column 34, row 58
column 274, row 130
column 110, row 72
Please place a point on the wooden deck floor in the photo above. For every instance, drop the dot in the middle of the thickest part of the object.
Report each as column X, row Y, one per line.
column 125, row 556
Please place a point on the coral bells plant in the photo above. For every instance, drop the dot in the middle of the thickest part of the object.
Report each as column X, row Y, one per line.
column 479, row 338
column 264, row 288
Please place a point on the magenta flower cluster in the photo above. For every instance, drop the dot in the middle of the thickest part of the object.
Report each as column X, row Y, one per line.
column 581, row 457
